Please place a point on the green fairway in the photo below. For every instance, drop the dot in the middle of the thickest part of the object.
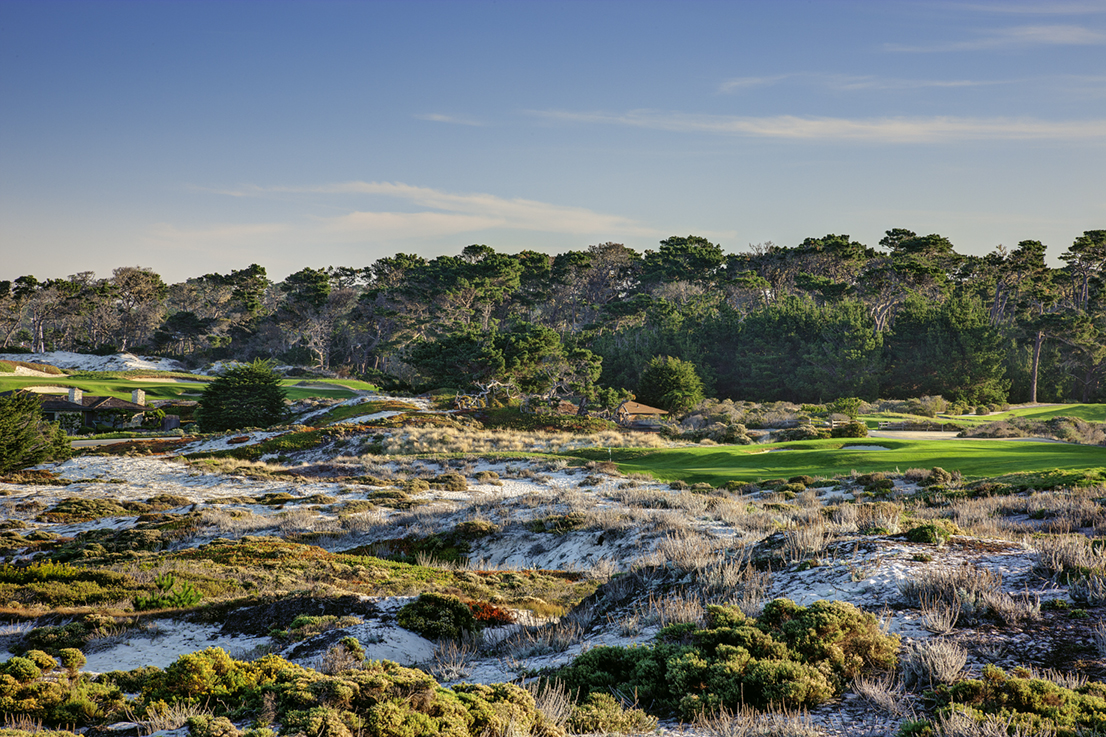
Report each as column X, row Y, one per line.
column 121, row 388
column 1086, row 412
column 973, row 458
column 177, row 388
column 333, row 388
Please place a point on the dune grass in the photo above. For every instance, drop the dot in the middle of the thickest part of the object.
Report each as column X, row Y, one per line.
column 972, row 458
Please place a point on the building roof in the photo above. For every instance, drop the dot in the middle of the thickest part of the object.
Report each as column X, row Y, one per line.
column 637, row 408
column 87, row 404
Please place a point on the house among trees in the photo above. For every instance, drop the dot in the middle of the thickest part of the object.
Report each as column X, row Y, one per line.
column 636, row 414
column 79, row 410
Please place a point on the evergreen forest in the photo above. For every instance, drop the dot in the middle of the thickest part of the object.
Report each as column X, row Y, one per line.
column 824, row 319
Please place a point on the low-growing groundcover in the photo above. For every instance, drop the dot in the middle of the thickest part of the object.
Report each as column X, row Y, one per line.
column 378, row 698
column 790, row 656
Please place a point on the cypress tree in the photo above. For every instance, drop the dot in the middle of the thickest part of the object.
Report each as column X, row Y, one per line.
column 26, row 439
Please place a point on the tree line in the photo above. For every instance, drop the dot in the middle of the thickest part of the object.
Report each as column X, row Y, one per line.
column 827, row 318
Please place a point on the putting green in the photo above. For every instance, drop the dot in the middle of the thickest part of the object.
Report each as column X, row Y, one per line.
column 973, row 458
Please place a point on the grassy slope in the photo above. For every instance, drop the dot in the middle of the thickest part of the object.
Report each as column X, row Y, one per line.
column 973, row 458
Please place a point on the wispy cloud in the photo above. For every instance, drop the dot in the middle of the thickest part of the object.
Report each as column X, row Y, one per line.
column 846, row 82
column 217, row 233
column 1014, row 37
column 447, row 212
column 882, row 130
column 744, row 83
column 1033, row 8
column 455, row 120
column 393, row 225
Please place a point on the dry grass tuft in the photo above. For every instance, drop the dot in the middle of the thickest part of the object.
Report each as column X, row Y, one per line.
column 443, row 440
column 959, row 724
column 453, row 659
column 553, row 700
column 689, row 552
column 168, row 717
column 932, row 662
column 884, row 693
column 1090, row 590
column 807, row 541
column 751, row 723
column 966, row 583
column 674, row 609
column 1099, row 634
column 939, row 615
column 1059, row 555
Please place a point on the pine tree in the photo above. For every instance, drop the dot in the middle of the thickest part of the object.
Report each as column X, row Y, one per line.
column 246, row 395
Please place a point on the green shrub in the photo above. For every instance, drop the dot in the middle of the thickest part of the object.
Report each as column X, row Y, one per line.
column 850, row 430
column 1034, row 704
column 209, row 726
column 790, row 656
column 670, row 383
column 77, row 700
column 71, row 659
column 451, row 481
column 602, row 713
column 72, row 636
column 437, row 617
column 939, row 477
column 474, row 529
column 381, row 698
column 321, row 721
column 22, row 670
column 933, row 534
column 169, row 595
column 44, row 662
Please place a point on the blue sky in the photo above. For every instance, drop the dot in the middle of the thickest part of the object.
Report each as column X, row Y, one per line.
column 193, row 137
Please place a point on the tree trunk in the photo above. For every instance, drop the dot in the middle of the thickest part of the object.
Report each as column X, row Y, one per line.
column 1036, row 364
